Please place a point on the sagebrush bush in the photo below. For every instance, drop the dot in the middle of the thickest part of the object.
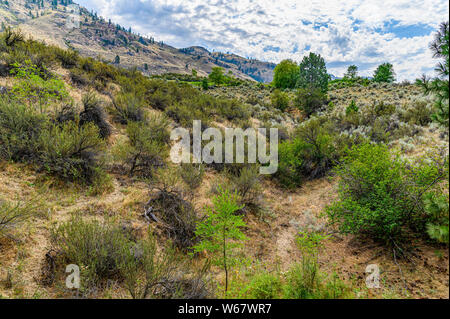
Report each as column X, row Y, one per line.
column 68, row 58
column 20, row 128
column 127, row 107
column 93, row 112
column 247, row 184
column 419, row 113
column 97, row 248
column 186, row 111
column 106, row 251
column 192, row 174
column 309, row 100
column 11, row 214
column 147, row 270
column 70, row 151
column 144, row 151
column 174, row 210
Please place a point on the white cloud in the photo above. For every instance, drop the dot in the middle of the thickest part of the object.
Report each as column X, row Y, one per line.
column 343, row 32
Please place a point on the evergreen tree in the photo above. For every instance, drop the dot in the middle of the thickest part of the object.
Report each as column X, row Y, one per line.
column 313, row 73
column 384, row 73
column 439, row 86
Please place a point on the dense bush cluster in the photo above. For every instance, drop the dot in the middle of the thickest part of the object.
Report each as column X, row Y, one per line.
column 380, row 195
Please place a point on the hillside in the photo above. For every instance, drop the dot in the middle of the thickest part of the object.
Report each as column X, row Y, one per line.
column 90, row 177
column 97, row 37
column 85, row 165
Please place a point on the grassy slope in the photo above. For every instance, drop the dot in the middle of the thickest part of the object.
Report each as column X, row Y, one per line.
column 272, row 236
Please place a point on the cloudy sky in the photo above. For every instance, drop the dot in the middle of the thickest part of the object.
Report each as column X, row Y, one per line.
column 361, row 32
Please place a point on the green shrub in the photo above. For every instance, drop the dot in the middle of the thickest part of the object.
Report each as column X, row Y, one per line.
column 20, row 127
column 97, row 248
column 127, row 107
column 352, row 108
column 311, row 154
column 379, row 192
column 36, row 88
column 93, row 113
column 372, row 193
column 309, row 100
column 436, row 208
column 192, row 174
column 13, row 214
column 290, row 164
column 264, row 285
column 71, row 152
column 142, row 153
column 280, row 100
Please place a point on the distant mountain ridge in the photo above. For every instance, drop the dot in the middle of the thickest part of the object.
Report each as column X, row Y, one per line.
column 47, row 20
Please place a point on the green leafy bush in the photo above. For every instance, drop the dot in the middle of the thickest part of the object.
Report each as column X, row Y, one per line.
column 280, row 100
column 36, row 88
column 379, row 192
column 311, row 154
column 264, row 285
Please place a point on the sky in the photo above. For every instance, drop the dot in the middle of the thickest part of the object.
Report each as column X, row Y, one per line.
column 361, row 32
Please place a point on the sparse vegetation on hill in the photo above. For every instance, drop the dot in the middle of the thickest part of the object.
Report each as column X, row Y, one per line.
column 363, row 173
